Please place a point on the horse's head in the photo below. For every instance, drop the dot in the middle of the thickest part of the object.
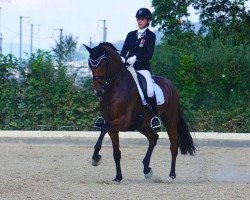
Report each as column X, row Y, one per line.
column 100, row 63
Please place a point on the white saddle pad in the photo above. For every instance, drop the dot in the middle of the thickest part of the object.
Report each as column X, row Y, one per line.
column 157, row 89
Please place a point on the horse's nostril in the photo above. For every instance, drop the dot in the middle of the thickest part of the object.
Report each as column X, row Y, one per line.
column 98, row 92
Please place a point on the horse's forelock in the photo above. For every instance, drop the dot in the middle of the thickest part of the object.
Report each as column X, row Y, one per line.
column 109, row 45
column 97, row 52
column 105, row 48
column 110, row 48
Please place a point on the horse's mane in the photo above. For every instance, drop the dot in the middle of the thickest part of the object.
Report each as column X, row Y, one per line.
column 110, row 45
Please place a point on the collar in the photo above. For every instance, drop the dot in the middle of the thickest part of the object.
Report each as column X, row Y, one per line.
column 142, row 30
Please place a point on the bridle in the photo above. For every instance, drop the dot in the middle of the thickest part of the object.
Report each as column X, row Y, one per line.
column 107, row 78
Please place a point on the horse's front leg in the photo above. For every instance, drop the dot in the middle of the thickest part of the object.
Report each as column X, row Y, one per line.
column 152, row 137
column 117, row 154
column 96, row 158
column 112, row 127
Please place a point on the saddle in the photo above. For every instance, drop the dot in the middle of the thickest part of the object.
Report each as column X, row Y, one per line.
column 142, row 87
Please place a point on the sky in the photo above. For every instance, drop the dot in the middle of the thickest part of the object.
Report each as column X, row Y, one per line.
column 81, row 18
column 78, row 17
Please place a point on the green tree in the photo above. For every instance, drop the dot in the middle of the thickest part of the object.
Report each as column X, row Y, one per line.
column 187, row 80
column 37, row 89
column 172, row 16
column 222, row 12
column 9, row 92
column 65, row 48
column 210, row 70
column 220, row 18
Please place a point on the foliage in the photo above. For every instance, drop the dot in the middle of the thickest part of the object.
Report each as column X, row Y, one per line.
column 218, row 18
column 65, row 48
column 172, row 16
column 9, row 90
column 221, row 13
column 187, row 80
column 211, row 72
column 211, row 69
column 44, row 96
column 212, row 77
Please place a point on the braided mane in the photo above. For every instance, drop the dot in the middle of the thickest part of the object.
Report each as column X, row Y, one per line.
column 109, row 45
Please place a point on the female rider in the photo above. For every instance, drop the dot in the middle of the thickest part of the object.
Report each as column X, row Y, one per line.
column 137, row 50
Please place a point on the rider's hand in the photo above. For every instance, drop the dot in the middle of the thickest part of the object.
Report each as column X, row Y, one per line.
column 131, row 60
column 123, row 59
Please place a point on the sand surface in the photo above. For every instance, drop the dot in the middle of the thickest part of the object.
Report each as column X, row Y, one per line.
column 64, row 172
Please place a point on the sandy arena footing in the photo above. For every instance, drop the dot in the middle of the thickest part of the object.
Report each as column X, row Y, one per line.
column 57, row 170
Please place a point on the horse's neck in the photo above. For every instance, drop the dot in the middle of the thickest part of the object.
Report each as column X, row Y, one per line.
column 121, row 92
column 123, row 84
column 118, row 66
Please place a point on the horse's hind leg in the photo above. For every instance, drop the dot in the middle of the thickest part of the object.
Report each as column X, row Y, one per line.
column 173, row 138
column 117, row 154
column 152, row 137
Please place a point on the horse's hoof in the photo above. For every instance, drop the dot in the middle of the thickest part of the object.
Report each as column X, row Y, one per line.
column 96, row 160
column 117, row 179
column 149, row 174
column 172, row 175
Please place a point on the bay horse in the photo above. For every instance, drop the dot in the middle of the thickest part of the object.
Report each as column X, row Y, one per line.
column 122, row 109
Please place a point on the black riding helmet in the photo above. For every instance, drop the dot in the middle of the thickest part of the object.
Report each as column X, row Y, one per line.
column 144, row 13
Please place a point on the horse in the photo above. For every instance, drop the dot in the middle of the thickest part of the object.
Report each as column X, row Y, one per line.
column 122, row 110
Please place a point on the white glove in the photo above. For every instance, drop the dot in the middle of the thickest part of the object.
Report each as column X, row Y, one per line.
column 123, row 59
column 131, row 60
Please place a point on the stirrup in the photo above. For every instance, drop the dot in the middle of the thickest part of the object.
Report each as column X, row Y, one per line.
column 99, row 122
column 155, row 122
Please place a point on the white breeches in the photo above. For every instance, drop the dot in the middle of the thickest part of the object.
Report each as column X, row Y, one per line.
column 149, row 80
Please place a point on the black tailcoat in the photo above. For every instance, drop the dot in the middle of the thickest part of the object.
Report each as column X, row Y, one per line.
column 142, row 48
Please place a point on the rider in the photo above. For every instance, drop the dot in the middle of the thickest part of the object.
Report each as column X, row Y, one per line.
column 137, row 51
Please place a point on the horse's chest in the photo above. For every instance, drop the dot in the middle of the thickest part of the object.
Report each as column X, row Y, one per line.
column 112, row 108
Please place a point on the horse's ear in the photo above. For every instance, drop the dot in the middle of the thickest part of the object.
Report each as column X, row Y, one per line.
column 88, row 48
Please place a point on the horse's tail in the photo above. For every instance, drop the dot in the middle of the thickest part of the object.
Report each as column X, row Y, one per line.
column 185, row 139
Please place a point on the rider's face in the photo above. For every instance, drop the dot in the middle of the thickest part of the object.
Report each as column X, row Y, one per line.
column 142, row 22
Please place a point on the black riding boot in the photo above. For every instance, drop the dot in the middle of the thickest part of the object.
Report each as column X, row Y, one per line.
column 99, row 122
column 155, row 121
